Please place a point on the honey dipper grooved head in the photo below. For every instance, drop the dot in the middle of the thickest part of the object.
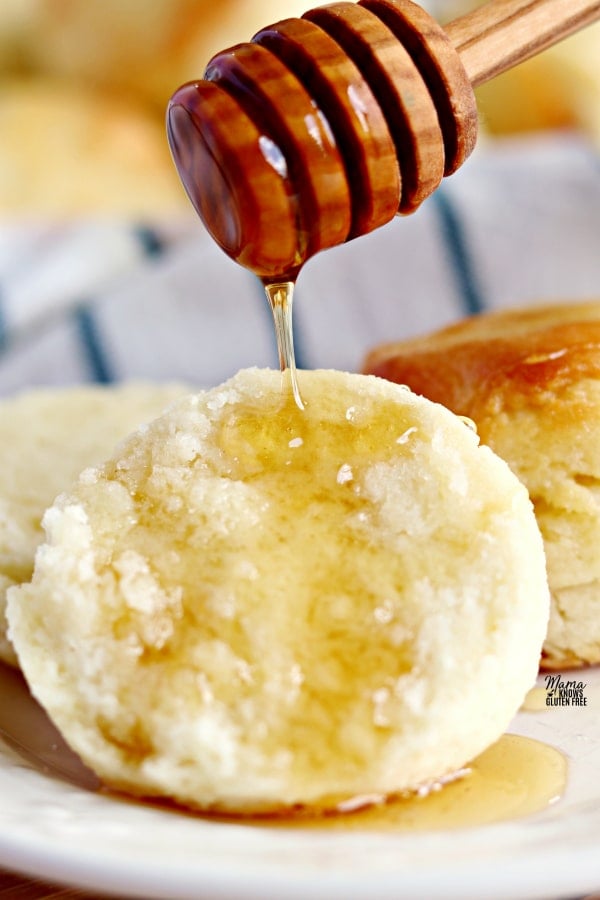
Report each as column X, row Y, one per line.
column 321, row 129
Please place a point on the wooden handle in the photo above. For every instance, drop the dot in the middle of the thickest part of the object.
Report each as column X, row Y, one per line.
column 503, row 33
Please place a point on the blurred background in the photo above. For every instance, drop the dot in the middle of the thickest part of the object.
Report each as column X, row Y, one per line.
column 106, row 272
column 84, row 85
column 83, row 91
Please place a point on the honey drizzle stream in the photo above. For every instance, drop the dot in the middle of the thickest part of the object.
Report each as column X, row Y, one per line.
column 280, row 296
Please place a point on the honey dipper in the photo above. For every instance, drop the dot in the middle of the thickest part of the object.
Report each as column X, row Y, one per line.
column 322, row 128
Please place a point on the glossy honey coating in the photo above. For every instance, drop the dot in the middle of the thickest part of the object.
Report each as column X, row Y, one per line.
column 530, row 379
column 253, row 607
column 321, row 129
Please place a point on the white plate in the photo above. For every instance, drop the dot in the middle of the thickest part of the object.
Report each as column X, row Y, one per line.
column 55, row 824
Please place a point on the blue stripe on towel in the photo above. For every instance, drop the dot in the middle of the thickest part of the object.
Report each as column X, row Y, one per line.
column 460, row 258
column 149, row 239
column 91, row 345
column 3, row 328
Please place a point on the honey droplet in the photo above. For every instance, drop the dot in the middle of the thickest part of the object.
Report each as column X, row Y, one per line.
column 280, row 296
column 469, row 423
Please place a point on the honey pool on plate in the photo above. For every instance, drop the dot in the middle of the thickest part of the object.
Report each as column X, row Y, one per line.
column 516, row 777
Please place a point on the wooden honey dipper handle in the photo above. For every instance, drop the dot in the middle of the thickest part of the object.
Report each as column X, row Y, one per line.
column 322, row 128
column 499, row 35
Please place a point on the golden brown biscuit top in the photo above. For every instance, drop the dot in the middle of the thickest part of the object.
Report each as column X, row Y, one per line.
column 500, row 360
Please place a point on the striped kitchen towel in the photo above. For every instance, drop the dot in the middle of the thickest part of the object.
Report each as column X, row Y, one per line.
column 519, row 224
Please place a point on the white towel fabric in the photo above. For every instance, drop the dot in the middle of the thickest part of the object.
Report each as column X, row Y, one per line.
column 519, row 224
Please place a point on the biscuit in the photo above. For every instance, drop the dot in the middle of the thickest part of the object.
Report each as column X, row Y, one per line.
column 252, row 608
column 130, row 47
column 84, row 91
column 67, row 149
column 530, row 379
column 47, row 436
